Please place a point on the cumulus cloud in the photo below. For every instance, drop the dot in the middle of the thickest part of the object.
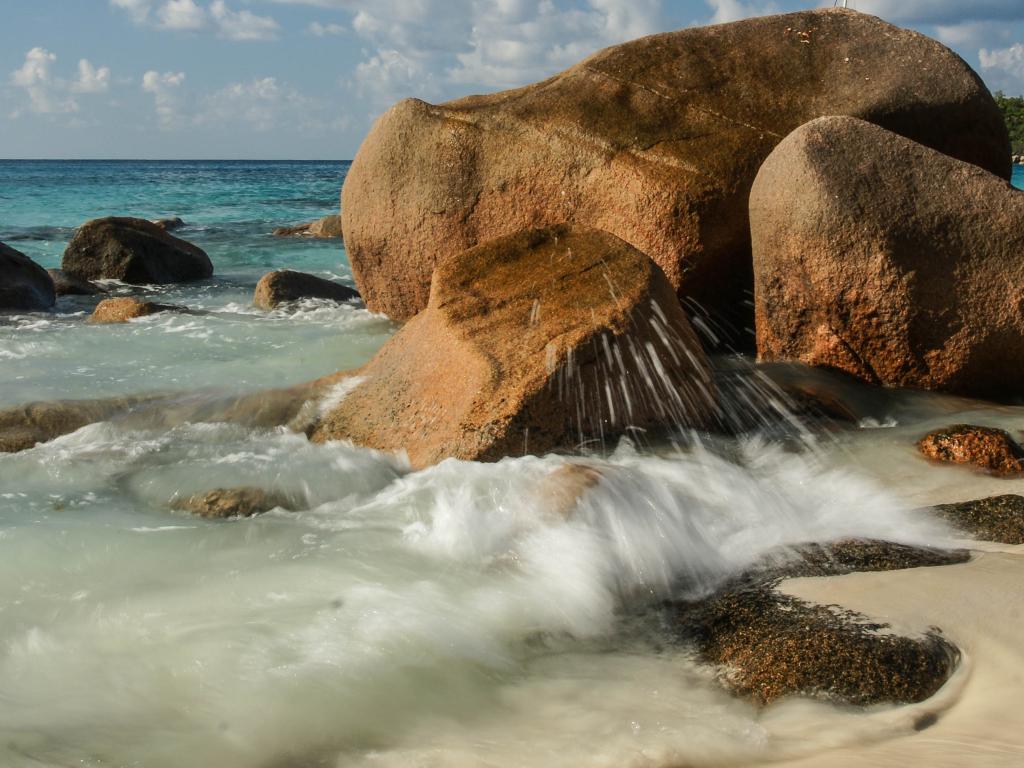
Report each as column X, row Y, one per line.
column 181, row 15
column 263, row 104
column 1004, row 67
column 242, row 25
column 137, row 9
column 165, row 89
column 323, row 30
column 49, row 94
column 734, row 10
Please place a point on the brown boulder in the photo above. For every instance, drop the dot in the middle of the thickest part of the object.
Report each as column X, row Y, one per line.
column 543, row 340
column 890, row 261
column 69, row 285
column 233, row 502
column 327, row 227
column 656, row 141
column 986, row 447
column 134, row 251
column 24, row 285
column 284, row 285
column 123, row 309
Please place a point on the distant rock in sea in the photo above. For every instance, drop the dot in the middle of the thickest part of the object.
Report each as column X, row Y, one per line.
column 542, row 340
column 24, row 285
column 880, row 257
column 284, row 285
column 656, row 141
column 174, row 222
column 134, row 251
column 327, row 227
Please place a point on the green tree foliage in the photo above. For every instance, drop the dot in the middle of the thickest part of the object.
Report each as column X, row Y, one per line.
column 1012, row 108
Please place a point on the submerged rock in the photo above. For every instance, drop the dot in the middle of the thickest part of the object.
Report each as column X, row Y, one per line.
column 985, row 447
column 24, row 285
column 327, row 227
column 543, row 340
column 168, row 224
column 121, row 310
column 233, row 502
column 69, row 285
column 24, row 426
column 284, row 285
column 994, row 518
column 656, row 141
column 859, row 236
column 770, row 645
column 134, row 251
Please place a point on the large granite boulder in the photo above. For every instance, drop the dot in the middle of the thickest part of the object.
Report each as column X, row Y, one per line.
column 880, row 257
column 546, row 339
column 656, row 141
column 284, row 285
column 24, row 285
column 134, row 251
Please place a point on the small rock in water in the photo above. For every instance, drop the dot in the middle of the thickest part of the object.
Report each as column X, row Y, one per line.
column 69, row 285
column 327, row 227
column 233, row 502
column 994, row 518
column 986, row 447
column 284, row 285
column 24, row 285
column 23, row 426
column 123, row 309
column 174, row 222
column 135, row 251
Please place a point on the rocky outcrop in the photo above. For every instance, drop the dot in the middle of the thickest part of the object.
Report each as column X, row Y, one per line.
column 656, row 141
column 121, row 310
column 859, row 236
column 69, row 285
column 168, row 224
column 134, row 251
column 543, row 340
column 985, row 447
column 24, row 285
column 233, row 502
column 284, row 285
column 994, row 518
column 326, row 228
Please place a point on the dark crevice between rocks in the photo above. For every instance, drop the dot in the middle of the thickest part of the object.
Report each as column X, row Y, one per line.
column 768, row 645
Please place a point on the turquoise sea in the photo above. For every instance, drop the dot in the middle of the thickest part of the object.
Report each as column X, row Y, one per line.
column 448, row 617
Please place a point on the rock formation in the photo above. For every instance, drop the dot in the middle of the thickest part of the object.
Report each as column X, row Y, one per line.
column 326, row 228
column 121, row 310
column 656, row 141
column 284, row 285
column 173, row 222
column 24, row 285
column 985, row 447
column 233, row 502
column 135, row 251
column 882, row 258
column 543, row 340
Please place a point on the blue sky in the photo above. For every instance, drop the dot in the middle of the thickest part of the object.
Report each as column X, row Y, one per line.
column 305, row 78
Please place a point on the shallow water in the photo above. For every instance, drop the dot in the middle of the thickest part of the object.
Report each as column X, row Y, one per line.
column 453, row 616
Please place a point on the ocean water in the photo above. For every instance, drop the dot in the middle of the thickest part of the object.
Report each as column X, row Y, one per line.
column 447, row 617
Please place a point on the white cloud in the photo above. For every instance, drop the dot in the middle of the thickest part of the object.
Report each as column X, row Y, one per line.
column 264, row 104
column 90, row 79
column 49, row 94
column 1004, row 68
column 242, row 25
column 322, row 30
column 734, row 10
column 165, row 88
column 181, row 15
column 137, row 9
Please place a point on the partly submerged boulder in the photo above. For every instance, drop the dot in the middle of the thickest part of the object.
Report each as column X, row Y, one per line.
column 23, row 426
column 173, row 222
column 135, row 251
column 993, row 518
column 123, row 309
column 284, row 285
column 69, row 285
column 546, row 339
column 327, row 227
column 656, row 141
column 988, row 448
column 24, row 285
column 233, row 502
column 880, row 257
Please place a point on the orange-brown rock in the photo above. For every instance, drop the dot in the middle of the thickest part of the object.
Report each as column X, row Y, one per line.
column 543, row 340
column 985, row 447
column 284, row 285
column 880, row 257
column 326, row 228
column 24, row 426
column 24, row 285
column 233, row 502
column 123, row 309
column 656, row 141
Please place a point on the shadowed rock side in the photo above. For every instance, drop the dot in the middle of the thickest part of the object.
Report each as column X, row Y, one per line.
column 24, row 285
column 995, row 518
column 889, row 261
column 656, row 141
column 769, row 645
column 543, row 340
column 284, row 285
column 326, row 228
column 988, row 448
column 134, row 251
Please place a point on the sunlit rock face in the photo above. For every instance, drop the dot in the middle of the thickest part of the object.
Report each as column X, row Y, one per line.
column 546, row 339
column 656, row 141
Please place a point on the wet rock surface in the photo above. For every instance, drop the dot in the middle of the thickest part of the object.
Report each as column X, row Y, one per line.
column 135, row 251
column 24, row 426
column 233, row 502
column 24, row 285
column 988, row 448
column 769, row 645
column 994, row 518
column 69, row 285
column 123, row 309
column 170, row 223
column 285, row 285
